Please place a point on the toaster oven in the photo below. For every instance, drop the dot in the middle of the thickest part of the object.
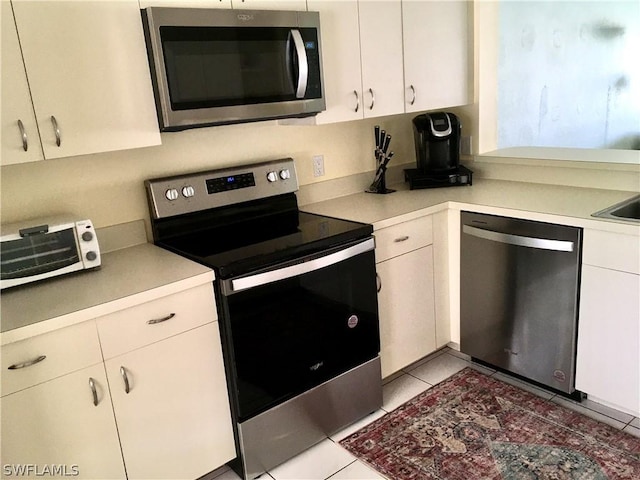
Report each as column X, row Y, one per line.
column 39, row 249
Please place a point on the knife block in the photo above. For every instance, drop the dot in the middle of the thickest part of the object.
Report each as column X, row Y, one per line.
column 380, row 186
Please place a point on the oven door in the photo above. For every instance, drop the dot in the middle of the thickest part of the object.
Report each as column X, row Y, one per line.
column 295, row 326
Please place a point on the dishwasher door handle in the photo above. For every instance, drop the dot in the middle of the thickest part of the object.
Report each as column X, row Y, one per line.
column 518, row 240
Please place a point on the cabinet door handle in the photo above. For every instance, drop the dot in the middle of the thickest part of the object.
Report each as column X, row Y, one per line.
column 355, row 92
column 56, row 130
column 413, row 91
column 17, row 366
column 402, row 239
column 23, row 134
column 378, row 283
column 94, row 392
column 160, row 320
column 125, row 378
column 373, row 99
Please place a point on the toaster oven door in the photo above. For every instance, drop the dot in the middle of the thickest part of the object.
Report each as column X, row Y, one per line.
column 37, row 256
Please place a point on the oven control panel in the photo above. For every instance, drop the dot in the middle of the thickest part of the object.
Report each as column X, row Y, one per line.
column 179, row 194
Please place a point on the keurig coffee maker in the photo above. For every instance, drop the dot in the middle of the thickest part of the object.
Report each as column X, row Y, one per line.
column 437, row 142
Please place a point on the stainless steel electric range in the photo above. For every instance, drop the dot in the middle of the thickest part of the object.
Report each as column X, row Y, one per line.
column 296, row 299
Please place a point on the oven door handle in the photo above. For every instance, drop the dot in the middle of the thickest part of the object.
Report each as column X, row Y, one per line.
column 251, row 281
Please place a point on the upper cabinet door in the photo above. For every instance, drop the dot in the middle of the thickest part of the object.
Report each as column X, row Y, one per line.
column 340, row 43
column 436, row 53
column 296, row 5
column 89, row 76
column 20, row 138
column 381, row 53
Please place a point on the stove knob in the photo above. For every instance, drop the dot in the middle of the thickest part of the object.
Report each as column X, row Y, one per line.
column 91, row 256
column 272, row 176
column 87, row 236
column 171, row 194
column 188, row 191
column 284, row 174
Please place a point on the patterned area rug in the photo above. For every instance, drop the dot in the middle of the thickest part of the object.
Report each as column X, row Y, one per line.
column 474, row 427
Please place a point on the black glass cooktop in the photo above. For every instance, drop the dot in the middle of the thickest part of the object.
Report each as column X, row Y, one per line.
column 259, row 242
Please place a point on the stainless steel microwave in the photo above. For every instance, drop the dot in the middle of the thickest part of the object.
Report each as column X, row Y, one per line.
column 44, row 248
column 221, row 66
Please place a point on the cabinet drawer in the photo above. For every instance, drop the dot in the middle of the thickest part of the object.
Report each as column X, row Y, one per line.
column 402, row 238
column 64, row 351
column 151, row 322
column 611, row 250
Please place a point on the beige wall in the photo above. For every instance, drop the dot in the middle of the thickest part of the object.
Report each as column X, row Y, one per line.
column 108, row 187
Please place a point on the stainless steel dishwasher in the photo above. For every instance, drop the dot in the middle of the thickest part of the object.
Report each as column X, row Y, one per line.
column 519, row 297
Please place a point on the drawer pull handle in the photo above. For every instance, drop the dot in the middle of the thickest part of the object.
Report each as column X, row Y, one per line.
column 160, row 320
column 17, row 366
column 125, row 378
column 378, row 283
column 402, row 239
column 94, row 392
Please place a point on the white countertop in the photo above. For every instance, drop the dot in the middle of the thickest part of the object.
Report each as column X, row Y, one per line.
column 551, row 203
column 144, row 272
column 126, row 278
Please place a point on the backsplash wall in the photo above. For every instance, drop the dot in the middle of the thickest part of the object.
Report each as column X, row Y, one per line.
column 108, row 187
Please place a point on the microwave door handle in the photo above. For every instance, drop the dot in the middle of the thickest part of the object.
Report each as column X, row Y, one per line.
column 303, row 64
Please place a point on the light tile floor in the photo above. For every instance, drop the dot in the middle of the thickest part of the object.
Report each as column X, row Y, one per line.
column 329, row 461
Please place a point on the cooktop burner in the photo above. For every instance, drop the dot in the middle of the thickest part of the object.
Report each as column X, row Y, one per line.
column 242, row 219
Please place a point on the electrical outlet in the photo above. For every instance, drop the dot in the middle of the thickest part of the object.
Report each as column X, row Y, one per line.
column 318, row 165
column 466, row 145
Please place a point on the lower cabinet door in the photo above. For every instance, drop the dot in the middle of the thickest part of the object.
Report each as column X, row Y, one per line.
column 607, row 365
column 171, row 406
column 406, row 307
column 60, row 429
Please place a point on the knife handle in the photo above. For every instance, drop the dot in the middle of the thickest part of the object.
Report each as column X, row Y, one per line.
column 385, row 145
column 376, row 134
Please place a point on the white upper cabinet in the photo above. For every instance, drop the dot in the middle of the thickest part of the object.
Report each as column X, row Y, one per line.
column 342, row 75
column 361, row 58
column 297, row 5
column 436, row 53
column 381, row 54
column 20, row 139
column 88, row 72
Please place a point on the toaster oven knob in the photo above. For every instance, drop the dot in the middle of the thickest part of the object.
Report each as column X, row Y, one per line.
column 188, row 191
column 91, row 256
column 272, row 176
column 87, row 236
column 284, row 174
column 171, row 194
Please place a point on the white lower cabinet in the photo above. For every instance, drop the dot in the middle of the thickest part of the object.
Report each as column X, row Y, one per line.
column 608, row 359
column 138, row 393
column 406, row 307
column 56, row 425
column 608, row 354
column 171, row 406
column 406, row 303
